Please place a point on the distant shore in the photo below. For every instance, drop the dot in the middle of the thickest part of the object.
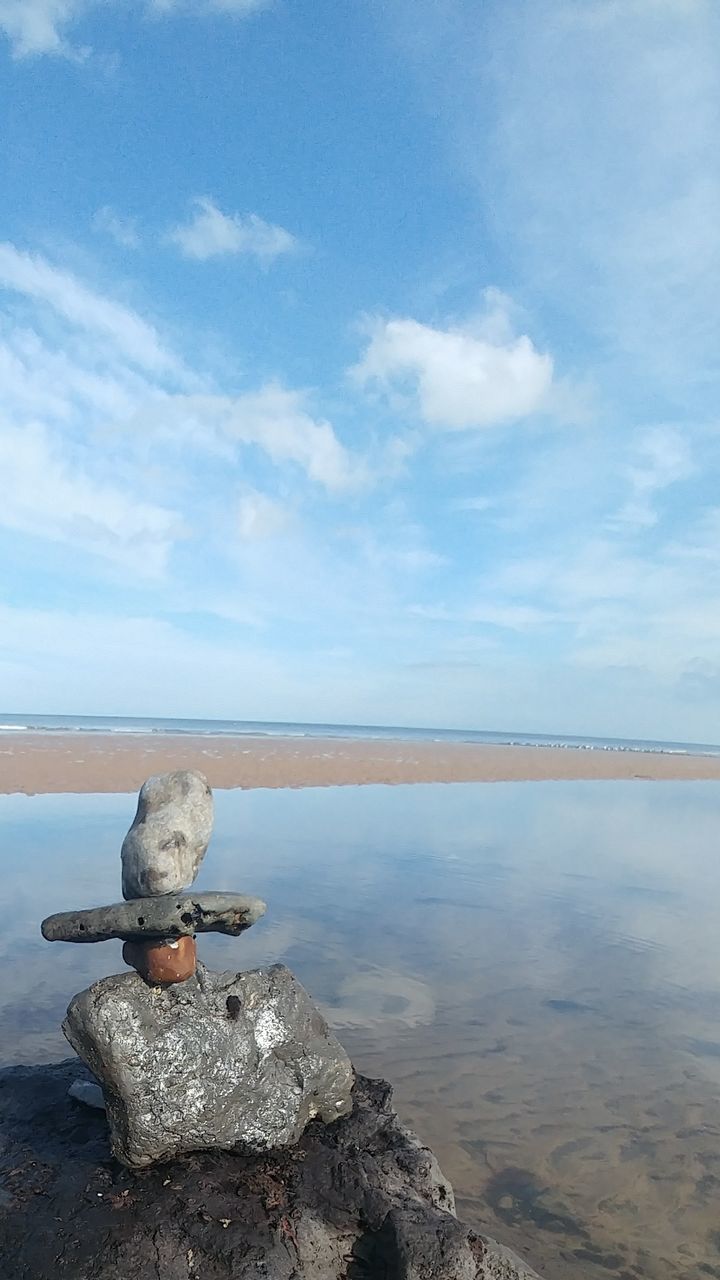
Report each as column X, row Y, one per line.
column 39, row 763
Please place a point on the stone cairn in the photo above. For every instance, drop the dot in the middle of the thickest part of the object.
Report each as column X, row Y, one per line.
column 189, row 1059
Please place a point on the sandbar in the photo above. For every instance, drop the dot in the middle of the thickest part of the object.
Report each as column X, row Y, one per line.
column 41, row 763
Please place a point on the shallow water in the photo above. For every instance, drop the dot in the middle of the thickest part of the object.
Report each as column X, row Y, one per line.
column 536, row 966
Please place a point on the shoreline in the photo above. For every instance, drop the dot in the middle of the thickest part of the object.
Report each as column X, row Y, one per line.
column 40, row 763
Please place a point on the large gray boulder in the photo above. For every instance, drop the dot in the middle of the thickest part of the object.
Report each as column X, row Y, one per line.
column 167, row 841
column 362, row 1198
column 222, row 1059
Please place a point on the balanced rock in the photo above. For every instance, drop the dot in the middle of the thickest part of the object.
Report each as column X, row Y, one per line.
column 167, row 841
column 162, row 962
column 219, row 1060
column 171, row 916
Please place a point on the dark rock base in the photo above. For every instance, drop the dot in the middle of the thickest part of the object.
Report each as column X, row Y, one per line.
column 361, row 1199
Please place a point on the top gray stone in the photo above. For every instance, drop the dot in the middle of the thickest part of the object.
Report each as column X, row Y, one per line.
column 167, row 841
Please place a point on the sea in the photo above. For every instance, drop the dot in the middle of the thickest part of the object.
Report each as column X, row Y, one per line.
column 535, row 966
column 29, row 723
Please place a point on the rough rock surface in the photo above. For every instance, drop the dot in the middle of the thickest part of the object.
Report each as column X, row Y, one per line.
column 220, row 1059
column 172, row 916
column 170, row 833
column 361, row 1199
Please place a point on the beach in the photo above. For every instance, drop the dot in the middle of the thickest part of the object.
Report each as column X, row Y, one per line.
column 44, row 763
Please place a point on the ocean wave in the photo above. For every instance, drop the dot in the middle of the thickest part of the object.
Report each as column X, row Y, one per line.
column 142, row 726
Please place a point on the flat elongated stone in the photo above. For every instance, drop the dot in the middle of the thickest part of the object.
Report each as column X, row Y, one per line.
column 172, row 916
column 166, row 843
column 220, row 1060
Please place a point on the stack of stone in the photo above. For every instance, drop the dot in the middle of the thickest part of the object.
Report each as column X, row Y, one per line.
column 189, row 1059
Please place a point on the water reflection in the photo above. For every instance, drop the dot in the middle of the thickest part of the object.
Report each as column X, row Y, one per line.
column 535, row 965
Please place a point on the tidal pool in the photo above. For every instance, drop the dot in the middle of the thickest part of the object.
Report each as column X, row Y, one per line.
column 536, row 967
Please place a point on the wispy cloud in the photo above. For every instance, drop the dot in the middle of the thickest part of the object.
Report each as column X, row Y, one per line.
column 122, row 230
column 48, row 495
column 261, row 517
column 588, row 131
column 104, row 431
column 505, row 615
column 212, row 233
column 240, row 8
column 273, row 419
column 84, row 308
column 75, row 365
column 479, row 504
column 36, row 27
column 663, row 457
column 394, row 543
column 277, row 420
column 39, row 26
column 461, row 377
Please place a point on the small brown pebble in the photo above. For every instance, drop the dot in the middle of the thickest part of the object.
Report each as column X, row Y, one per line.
column 161, row 963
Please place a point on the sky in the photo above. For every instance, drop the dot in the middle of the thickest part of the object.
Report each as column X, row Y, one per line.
column 359, row 363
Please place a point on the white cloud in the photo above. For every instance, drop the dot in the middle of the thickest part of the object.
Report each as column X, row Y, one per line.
column 75, row 368
column 395, row 544
column 505, row 615
column 202, row 7
column 122, row 230
column 655, row 613
column 52, row 382
column 212, row 233
column 261, row 517
column 102, row 447
column 461, row 378
column 274, row 420
column 48, row 496
column 662, row 458
column 478, row 504
column 35, row 278
column 36, row 27
column 589, row 130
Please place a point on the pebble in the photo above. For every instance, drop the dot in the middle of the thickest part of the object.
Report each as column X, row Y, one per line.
column 88, row 1092
column 162, row 962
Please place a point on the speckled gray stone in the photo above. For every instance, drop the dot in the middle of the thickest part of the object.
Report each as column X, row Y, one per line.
column 220, row 1060
column 167, row 841
column 172, row 916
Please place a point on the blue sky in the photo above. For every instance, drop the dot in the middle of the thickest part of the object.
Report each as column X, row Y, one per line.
column 360, row 362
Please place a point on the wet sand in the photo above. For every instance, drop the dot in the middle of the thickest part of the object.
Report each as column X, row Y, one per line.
column 39, row 763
